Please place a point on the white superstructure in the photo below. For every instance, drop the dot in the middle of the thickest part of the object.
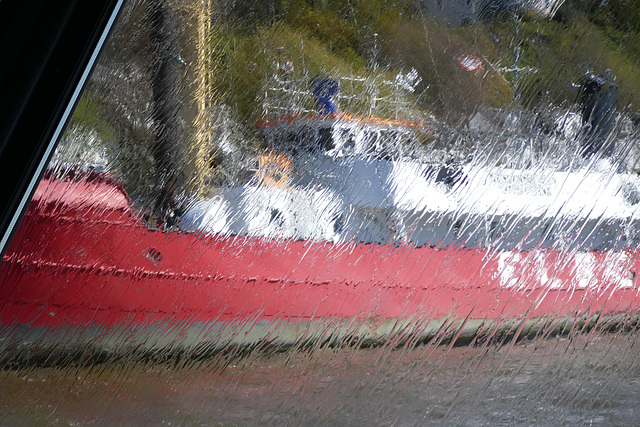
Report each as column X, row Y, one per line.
column 364, row 181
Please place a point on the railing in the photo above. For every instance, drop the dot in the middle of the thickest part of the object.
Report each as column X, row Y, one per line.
column 373, row 96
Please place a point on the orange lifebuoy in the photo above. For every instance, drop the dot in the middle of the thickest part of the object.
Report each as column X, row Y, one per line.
column 275, row 169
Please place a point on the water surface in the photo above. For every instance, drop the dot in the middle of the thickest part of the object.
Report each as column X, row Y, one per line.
column 589, row 379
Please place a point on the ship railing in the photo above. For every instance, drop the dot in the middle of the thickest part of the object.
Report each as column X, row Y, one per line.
column 290, row 95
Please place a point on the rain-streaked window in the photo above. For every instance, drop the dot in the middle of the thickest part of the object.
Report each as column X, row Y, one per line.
column 338, row 212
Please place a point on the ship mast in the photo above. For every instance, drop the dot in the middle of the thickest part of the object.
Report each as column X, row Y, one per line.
column 203, row 140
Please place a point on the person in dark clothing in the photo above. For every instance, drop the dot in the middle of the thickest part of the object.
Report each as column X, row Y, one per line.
column 598, row 114
column 324, row 89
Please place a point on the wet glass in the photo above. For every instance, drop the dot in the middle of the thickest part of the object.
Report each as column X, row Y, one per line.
column 334, row 212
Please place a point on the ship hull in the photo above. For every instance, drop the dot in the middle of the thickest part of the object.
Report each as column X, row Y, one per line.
column 83, row 269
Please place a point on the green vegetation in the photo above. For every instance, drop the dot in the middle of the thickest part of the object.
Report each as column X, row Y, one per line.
column 581, row 37
column 378, row 39
column 370, row 39
column 88, row 115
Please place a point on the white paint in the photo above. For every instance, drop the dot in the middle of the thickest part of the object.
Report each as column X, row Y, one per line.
column 509, row 269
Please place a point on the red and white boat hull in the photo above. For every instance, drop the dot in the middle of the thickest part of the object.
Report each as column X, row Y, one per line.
column 81, row 261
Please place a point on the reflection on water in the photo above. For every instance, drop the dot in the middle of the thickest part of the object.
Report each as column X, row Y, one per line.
column 578, row 380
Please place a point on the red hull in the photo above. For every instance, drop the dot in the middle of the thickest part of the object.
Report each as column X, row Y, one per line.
column 81, row 258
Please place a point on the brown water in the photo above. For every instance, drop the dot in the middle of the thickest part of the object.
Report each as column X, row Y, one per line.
column 583, row 380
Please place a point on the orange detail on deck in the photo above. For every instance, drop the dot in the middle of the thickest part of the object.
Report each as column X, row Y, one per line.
column 275, row 169
column 360, row 120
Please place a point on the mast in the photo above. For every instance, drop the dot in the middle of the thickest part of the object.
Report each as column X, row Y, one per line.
column 203, row 138
column 166, row 87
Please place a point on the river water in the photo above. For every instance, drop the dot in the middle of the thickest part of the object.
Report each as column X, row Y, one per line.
column 586, row 379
